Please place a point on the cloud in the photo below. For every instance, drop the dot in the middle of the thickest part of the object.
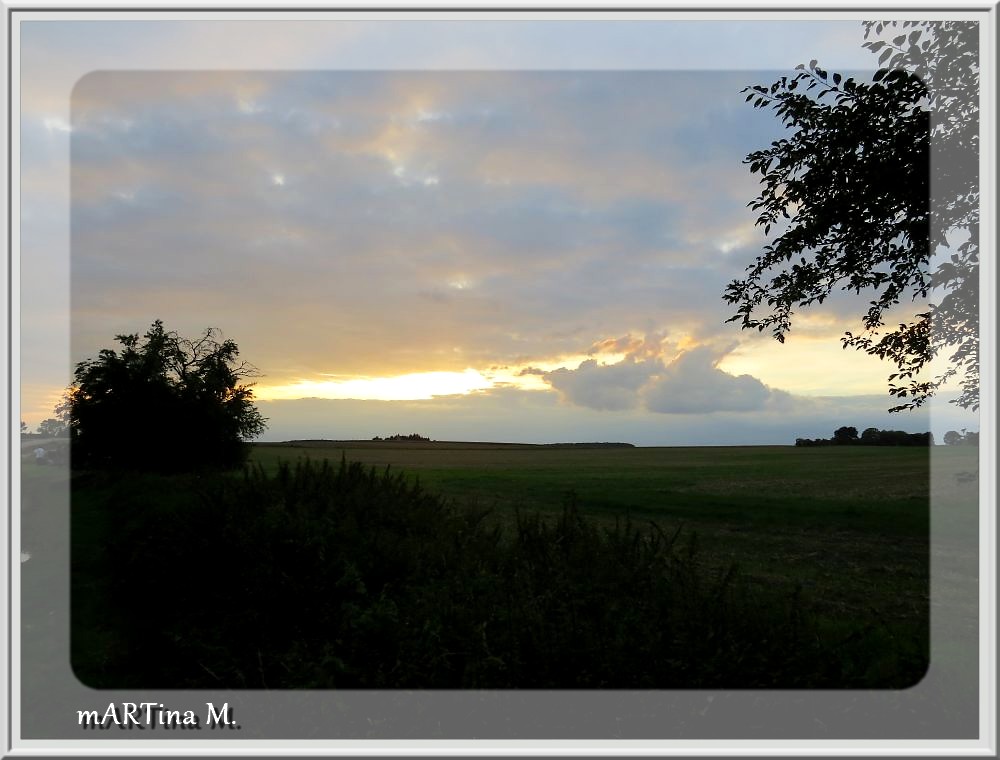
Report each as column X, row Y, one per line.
column 691, row 383
column 611, row 387
column 573, row 204
column 537, row 417
column 173, row 192
column 315, row 205
column 647, row 347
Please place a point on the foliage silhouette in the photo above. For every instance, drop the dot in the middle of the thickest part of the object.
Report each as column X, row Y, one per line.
column 845, row 435
column 162, row 403
column 965, row 438
column 848, row 436
column 851, row 190
column 52, row 428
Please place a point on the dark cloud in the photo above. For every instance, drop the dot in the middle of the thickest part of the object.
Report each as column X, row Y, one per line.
column 611, row 387
column 692, row 384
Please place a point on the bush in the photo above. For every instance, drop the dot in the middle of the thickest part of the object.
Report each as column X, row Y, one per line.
column 184, row 399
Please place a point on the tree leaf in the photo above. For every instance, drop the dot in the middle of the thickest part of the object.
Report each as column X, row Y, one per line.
column 852, row 179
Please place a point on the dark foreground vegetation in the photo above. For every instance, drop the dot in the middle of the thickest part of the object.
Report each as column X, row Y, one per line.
column 190, row 398
column 327, row 575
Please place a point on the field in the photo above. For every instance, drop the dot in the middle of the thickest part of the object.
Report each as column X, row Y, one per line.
column 803, row 567
column 849, row 524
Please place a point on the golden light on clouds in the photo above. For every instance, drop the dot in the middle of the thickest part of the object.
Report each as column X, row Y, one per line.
column 415, row 235
column 410, row 387
column 419, row 386
column 414, row 386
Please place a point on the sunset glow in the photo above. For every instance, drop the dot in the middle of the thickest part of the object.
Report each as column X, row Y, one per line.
column 410, row 387
column 439, row 226
column 416, row 386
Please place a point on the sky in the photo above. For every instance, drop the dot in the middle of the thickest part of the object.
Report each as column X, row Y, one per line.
column 473, row 230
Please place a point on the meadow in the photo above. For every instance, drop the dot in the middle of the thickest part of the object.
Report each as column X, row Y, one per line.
column 849, row 524
column 501, row 565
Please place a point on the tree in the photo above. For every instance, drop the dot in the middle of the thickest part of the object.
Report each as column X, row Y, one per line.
column 52, row 428
column 851, row 191
column 953, row 438
column 163, row 403
column 845, row 435
column 965, row 438
column 24, row 427
column 870, row 436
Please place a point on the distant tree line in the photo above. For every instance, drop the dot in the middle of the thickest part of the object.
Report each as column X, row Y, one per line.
column 50, row 428
column 848, row 436
column 401, row 437
column 954, row 438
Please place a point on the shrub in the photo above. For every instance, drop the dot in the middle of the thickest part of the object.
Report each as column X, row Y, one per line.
column 184, row 399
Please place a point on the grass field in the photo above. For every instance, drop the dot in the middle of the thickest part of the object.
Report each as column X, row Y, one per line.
column 849, row 524
column 857, row 488
column 842, row 531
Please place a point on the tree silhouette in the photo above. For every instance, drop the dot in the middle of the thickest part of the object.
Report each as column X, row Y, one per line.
column 860, row 210
column 52, row 428
column 845, row 435
column 870, row 436
column 162, row 403
column 965, row 438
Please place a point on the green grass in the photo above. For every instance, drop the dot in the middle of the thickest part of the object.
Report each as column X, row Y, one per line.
column 838, row 535
column 848, row 524
column 854, row 487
